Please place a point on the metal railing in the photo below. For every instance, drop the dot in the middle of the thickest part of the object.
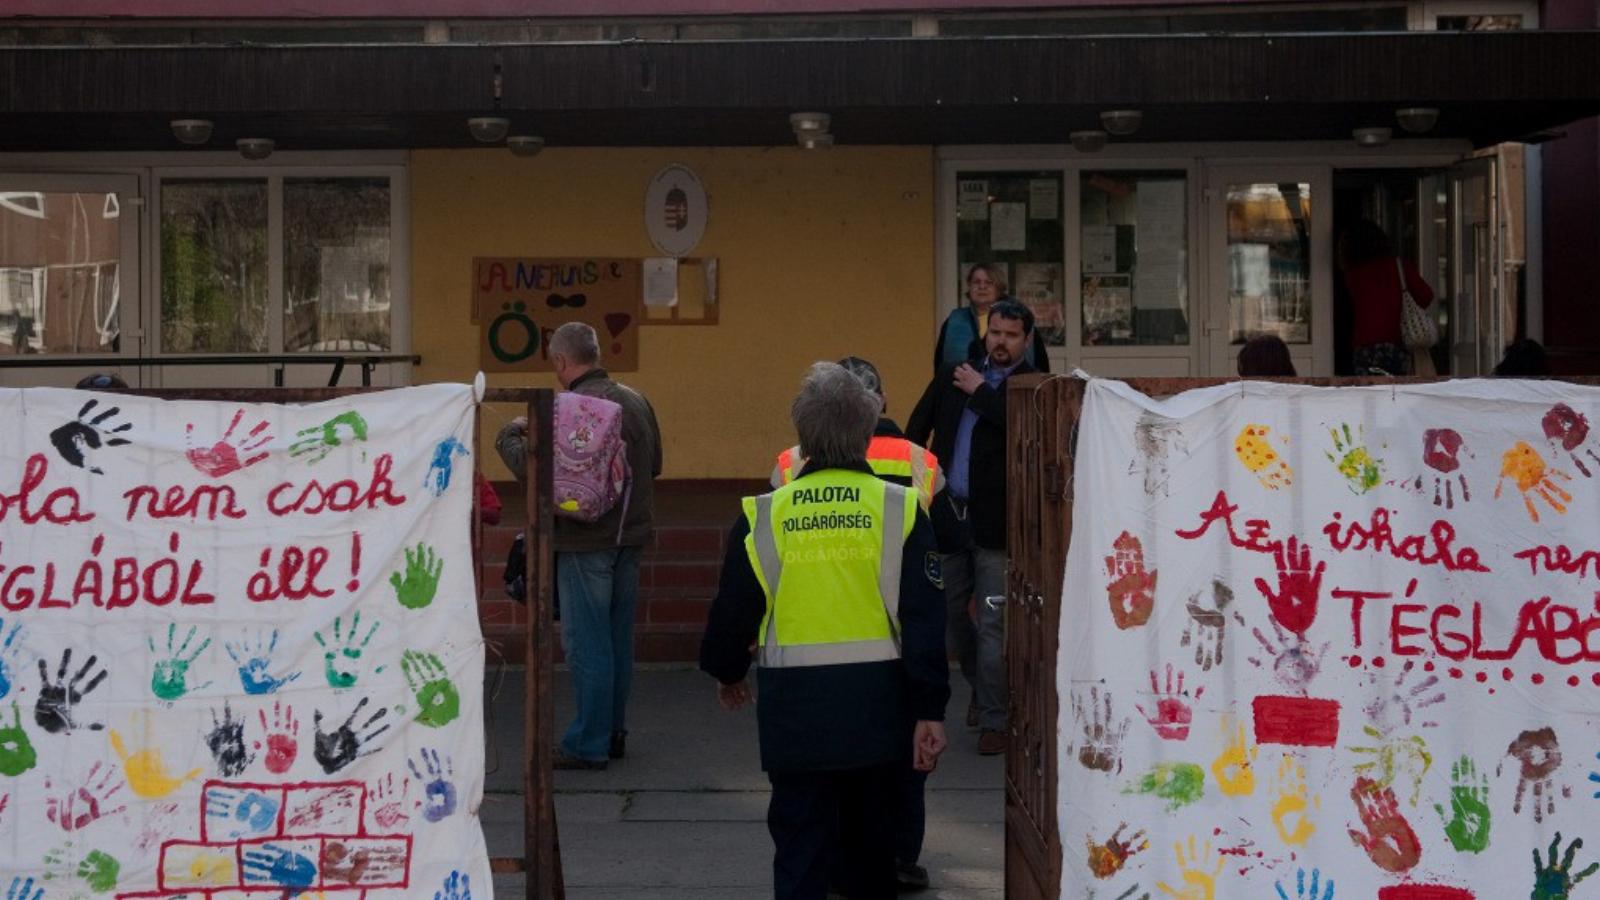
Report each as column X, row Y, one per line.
column 367, row 362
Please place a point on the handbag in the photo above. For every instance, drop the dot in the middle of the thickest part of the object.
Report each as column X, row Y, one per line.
column 1418, row 330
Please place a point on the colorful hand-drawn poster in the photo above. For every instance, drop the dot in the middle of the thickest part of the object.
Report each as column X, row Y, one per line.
column 238, row 649
column 1325, row 643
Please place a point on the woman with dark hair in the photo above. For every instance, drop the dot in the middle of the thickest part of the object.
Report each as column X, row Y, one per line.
column 1523, row 359
column 1265, row 356
column 961, row 335
column 1372, row 275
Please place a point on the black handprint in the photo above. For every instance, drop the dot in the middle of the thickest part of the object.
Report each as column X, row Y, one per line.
column 226, row 740
column 53, row 711
column 341, row 747
column 75, row 439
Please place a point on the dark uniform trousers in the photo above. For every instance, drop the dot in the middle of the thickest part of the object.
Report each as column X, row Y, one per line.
column 841, row 821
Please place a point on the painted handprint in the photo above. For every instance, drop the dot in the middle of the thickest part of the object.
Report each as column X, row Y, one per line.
column 283, row 738
column 1350, row 456
column 1441, row 450
column 1173, row 715
column 1206, row 625
column 1467, row 822
column 315, row 443
column 1157, row 439
column 1101, row 749
column 16, row 751
column 437, row 480
column 9, row 650
column 1199, row 870
column 254, row 659
column 341, row 662
column 1234, row 766
column 74, row 440
column 97, row 869
column 1401, row 703
column 146, row 771
column 224, row 456
column 1538, row 756
column 438, row 701
column 1386, row 837
column 456, row 887
column 1294, row 663
column 57, row 699
column 79, row 808
column 23, row 889
column 234, row 813
column 170, row 680
column 1261, row 459
column 226, row 741
column 1569, row 428
column 1316, row 890
column 1107, row 859
column 339, row 748
column 1553, row 880
column 1527, row 470
column 1180, row 784
column 416, row 589
column 1294, row 604
column 389, row 797
column 1387, row 758
column 437, row 777
column 1132, row 591
column 278, row 865
column 1292, row 803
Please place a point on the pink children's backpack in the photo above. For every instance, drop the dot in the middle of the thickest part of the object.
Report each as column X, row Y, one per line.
column 591, row 457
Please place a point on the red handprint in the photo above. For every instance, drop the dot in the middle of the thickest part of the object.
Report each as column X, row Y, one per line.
column 282, row 738
column 1173, row 715
column 222, row 457
column 1389, row 841
column 1440, row 452
column 1569, row 428
column 1294, row 603
column 78, row 809
column 1132, row 591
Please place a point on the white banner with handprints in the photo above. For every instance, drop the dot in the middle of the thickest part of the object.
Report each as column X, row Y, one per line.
column 1322, row 644
column 239, row 649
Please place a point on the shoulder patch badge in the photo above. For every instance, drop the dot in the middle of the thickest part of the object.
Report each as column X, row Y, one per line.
column 932, row 569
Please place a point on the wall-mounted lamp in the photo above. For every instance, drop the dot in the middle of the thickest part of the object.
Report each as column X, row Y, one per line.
column 488, row 129
column 1372, row 137
column 1121, row 122
column 1417, row 119
column 1092, row 141
column 256, row 148
column 811, row 129
column 525, row 144
column 191, row 131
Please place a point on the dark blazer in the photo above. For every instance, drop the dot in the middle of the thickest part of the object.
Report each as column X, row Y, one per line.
column 938, row 414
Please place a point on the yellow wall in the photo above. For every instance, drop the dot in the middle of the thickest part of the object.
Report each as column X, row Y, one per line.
column 823, row 254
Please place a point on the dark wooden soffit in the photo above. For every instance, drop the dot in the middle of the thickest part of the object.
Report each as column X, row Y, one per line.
column 1491, row 86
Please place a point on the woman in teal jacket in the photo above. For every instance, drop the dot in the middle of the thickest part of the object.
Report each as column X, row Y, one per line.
column 986, row 283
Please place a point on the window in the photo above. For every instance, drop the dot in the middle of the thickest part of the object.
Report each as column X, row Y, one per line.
column 60, row 273
column 336, row 264
column 214, row 266
column 1269, row 261
column 1133, row 232
column 1013, row 219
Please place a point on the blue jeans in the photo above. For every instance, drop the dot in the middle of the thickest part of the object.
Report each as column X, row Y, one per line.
column 599, row 590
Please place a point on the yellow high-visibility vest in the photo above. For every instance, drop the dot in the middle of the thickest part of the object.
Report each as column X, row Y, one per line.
column 827, row 551
column 888, row 456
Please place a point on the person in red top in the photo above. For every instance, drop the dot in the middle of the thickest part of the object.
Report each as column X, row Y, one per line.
column 1372, row 276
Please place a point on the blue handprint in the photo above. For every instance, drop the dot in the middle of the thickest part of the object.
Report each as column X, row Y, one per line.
column 234, row 814
column 9, row 648
column 1305, row 892
column 278, row 866
column 254, row 659
column 456, row 887
column 23, row 890
column 443, row 465
column 440, row 792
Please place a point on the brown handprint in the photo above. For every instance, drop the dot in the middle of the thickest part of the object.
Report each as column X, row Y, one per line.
column 1206, row 625
column 222, row 457
column 1538, row 755
column 1569, row 428
column 1294, row 604
column 1441, row 448
column 1388, row 840
column 1106, row 860
column 1173, row 715
column 81, row 808
column 1101, row 749
column 1132, row 591
column 1527, row 470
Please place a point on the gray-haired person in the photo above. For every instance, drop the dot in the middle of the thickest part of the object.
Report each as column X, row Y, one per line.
column 834, row 577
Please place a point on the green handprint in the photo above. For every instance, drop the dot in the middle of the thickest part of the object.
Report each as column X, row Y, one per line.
column 1553, row 880
column 318, row 441
column 438, row 701
column 421, row 580
column 16, row 751
column 1467, row 826
column 1177, row 783
column 1354, row 462
column 170, row 680
column 100, row 870
column 341, row 662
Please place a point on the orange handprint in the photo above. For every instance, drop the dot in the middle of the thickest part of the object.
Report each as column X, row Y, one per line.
column 1527, row 469
column 1132, row 591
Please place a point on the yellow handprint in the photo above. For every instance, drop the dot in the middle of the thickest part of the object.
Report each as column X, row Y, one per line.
column 1294, row 800
column 147, row 773
column 202, row 870
column 1261, row 458
column 1235, row 778
column 1199, row 874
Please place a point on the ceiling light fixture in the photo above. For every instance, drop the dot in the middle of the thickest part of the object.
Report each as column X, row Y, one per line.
column 488, row 129
column 1417, row 119
column 191, row 131
column 1377, row 136
column 256, row 148
column 1121, row 122
column 811, row 130
column 525, row 144
column 1090, row 141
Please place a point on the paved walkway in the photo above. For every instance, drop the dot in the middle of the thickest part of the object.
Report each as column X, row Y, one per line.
column 684, row 816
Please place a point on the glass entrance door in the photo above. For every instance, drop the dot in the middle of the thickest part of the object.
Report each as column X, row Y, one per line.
column 1478, row 328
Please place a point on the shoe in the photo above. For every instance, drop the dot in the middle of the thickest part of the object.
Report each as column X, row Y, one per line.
column 910, row 876
column 619, row 745
column 560, row 760
column 991, row 743
column 972, row 712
